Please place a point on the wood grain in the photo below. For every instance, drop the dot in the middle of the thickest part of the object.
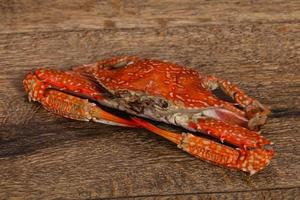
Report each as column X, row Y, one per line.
column 42, row 156
column 256, row 194
column 32, row 15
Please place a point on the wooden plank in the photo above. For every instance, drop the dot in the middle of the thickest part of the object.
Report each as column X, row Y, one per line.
column 32, row 15
column 69, row 159
column 291, row 194
column 48, row 156
column 267, row 52
column 255, row 44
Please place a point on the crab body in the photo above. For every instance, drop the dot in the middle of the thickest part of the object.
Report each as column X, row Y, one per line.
column 165, row 92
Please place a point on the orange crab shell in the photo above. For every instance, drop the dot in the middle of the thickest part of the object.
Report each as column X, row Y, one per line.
column 183, row 86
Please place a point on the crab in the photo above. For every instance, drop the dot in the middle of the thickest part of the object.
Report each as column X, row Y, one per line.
column 218, row 131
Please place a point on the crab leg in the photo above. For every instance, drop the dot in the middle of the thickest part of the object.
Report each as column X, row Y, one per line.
column 69, row 106
column 233, row 134
column 250, row 161
column 255, row 111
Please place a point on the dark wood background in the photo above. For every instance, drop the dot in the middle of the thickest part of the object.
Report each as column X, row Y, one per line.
column 42, row 156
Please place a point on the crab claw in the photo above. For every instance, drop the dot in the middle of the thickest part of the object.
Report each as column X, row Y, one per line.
column 250, row 161
column 254, row 160
column 255, row 112
column 67, row 105
column 80, row 109
column 34, row 87
column 68, row 81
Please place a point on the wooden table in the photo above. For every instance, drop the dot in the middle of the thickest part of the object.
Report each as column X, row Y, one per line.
column 42, row 156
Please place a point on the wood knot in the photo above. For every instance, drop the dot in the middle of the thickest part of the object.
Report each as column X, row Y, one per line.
column 109, row 24
column 162, row 26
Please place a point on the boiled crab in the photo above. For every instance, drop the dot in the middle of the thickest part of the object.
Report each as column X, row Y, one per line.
column 165, row 92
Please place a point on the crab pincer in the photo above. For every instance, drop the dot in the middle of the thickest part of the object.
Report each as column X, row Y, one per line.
column 250, row 161
column 42, row 86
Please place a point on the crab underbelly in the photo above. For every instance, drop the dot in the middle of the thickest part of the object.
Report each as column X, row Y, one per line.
column 152, row 108
column 178, row 119
column 159, row 109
